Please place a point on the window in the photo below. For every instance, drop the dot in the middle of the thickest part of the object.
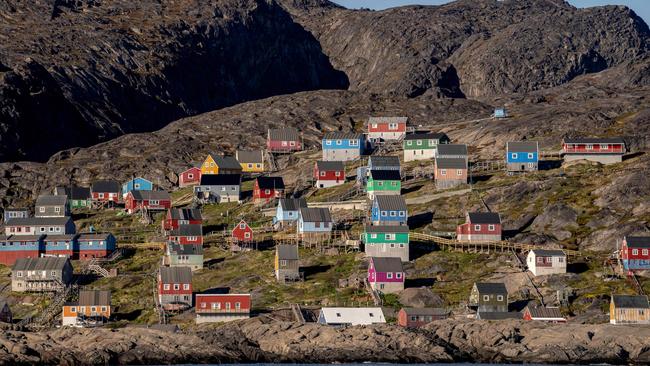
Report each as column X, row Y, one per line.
column 19, row 274
column 186, row 286
column 499, row 297
column 337, row 174
column 267, row 191
column 390, row 236
column 328, row 142
column 477, row 227
column 384, row 213
column 292, row 143
column 560, row 259
column 644, row 251
column 191, row 238
column 339, row 142
column 392, row 245
column 393, row 183
column 82, row 309
column 247, row 235
column 73, row 309
column 389, row 275
column 372, row 236
column 419, row 143
column 540, row 259
column 258, row 165
column 374, row 125
column 514, row 155
column 203, row 305
column 486, row 298
column 216, row 305
column 53, row 273
column 432, row 143
column 409, row 143
column 380, row 183
column 283, row 262
column 392, row 126
column 223, row 189
column 100, row 195
column 317, row 224
column 398, row 275
column 136, row 186
column 402, row 214
column 393, row 214
column 459, row 172
column 604, row 146
column 242, row 226
column 41, row 209
column 154, row 202
column 166, row 286
column 177, row 286
column 237, row 305
column 413, row 318
column 530, row 155
column 227, row 306
column 491, row 227
column 51, row 229
column 443, row 171
column 93, row 309
column 284, row 143
column 590, row 147
column 57, row 209
column 635, row 252
column 322, row 174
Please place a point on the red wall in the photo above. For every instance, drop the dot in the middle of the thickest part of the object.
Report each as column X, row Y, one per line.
column 105, row 199
column 383, row 127
column 9, row 257
column 238, row 233
column 185, row 179
column 582, row 148
column 243, row 299
column 171, row 290
column 184, row 241
column 132, row 204
column 329, row 175
column 626, row 252
column 468, row 228
column 277, row 145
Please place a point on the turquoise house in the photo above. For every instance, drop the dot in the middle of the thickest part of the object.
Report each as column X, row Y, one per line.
column 288, row 211
column 136, row 184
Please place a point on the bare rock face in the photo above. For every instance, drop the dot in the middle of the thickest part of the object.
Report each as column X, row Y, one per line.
column 556, row 220
column 419, row 298
column 101, row 69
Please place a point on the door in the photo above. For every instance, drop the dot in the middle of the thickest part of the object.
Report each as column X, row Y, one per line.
column 523, row 166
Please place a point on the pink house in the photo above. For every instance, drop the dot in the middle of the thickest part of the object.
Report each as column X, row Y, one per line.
column 386, row 274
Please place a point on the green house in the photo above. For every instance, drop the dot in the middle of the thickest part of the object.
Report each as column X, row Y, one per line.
column 422, row 146
column 78, row 197
column 386, row 241
column 188, row 255
column 388, row 182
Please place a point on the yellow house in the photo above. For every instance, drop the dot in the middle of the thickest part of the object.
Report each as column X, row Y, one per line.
column 251, row 161
column 215, row 164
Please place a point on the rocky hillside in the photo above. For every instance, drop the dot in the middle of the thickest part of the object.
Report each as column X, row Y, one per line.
column 260, row 340
column 475, row 48
column 73, row 73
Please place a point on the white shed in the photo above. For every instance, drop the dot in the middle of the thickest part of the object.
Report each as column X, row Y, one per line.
column 351, row 316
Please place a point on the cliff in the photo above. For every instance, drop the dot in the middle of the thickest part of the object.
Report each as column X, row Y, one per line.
column 260, row 340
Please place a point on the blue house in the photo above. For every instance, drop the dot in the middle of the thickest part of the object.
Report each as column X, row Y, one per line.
column 500, row 113
column 314, row 221
column 288, row 211
column 136, row 184
column 389, row 210
column 343, row 146
column 522, row 156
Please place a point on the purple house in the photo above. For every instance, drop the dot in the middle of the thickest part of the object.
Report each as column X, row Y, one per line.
column 386, row 274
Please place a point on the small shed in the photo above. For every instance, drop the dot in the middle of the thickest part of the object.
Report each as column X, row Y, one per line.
column 418, row 317
column 629, row 309
column 287, row 263
column 351, row 316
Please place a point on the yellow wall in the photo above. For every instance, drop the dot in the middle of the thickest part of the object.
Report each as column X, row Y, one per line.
column 254, row 169
column 209, row 166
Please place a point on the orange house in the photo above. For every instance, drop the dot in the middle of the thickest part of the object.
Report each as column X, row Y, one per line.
column 93, row 307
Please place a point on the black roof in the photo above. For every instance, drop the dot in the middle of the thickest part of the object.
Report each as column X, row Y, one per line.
column 292, row 204
column 451, row 163
column 185, row 213
column 631, row 301
column 110, row 186
column 340, row 135
column 391, row 203
column 426, row 136
column 188, row 230
column 330, row 165
column 452, row 149
column 270, row 182
column 638, row 241
column 549, row 252
column 522, row 146
column 484, row 218
column 151, row 195
column 491, row 288
column 384, row 160
column 594, row 140
column 220, row 179
column 385, row 175
column 287, row 252
column 184, row 249
column 226, row 162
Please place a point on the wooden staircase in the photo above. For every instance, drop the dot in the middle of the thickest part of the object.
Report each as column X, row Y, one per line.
column 376, row 298
column 46, row 318
column 297, row 313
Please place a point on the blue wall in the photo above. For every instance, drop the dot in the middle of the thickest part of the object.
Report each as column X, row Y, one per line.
column 377, row 216
column 345, row 144
column 129, row 186
column 522, row 157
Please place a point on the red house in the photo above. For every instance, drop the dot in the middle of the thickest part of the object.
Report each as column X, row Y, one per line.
column 419, row 317
column 480, row 227
column 283, row 140
column 181, row 216
column 242, row 232
column 190, row 177
column 105, row 193
column 267, row 189
column 601, row 150
column 175, row 288
column 386, row 128
column 149, row 200
column 187, row 235
column 213, row 308
column 635, row 253
column 329, row 173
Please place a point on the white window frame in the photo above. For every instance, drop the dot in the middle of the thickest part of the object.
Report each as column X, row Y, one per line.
column 515, row 155
column 531, row 155
column 459, row 172
column 186, row 286
column 339, row 142
column 443, row 171
column 419, row 142
column 491, row 227
column 177, row 286
column 41, row 209
column 390, row 236
column 389, row 275
column 337, row 174
column 635, row 252
column 499, row 297
column 166, row 287
column 328, row 142
column 384, row 213
column 477, row 227
column 486, row 297
column 247, row 235
column 402, row 214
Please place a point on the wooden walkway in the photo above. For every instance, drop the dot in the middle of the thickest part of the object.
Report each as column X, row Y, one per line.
column 488, row 246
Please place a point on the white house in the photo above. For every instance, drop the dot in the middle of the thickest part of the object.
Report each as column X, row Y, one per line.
column 351, row 316
column 545, row 262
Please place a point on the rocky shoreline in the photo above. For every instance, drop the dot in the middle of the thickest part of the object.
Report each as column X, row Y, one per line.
column 264, row 340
